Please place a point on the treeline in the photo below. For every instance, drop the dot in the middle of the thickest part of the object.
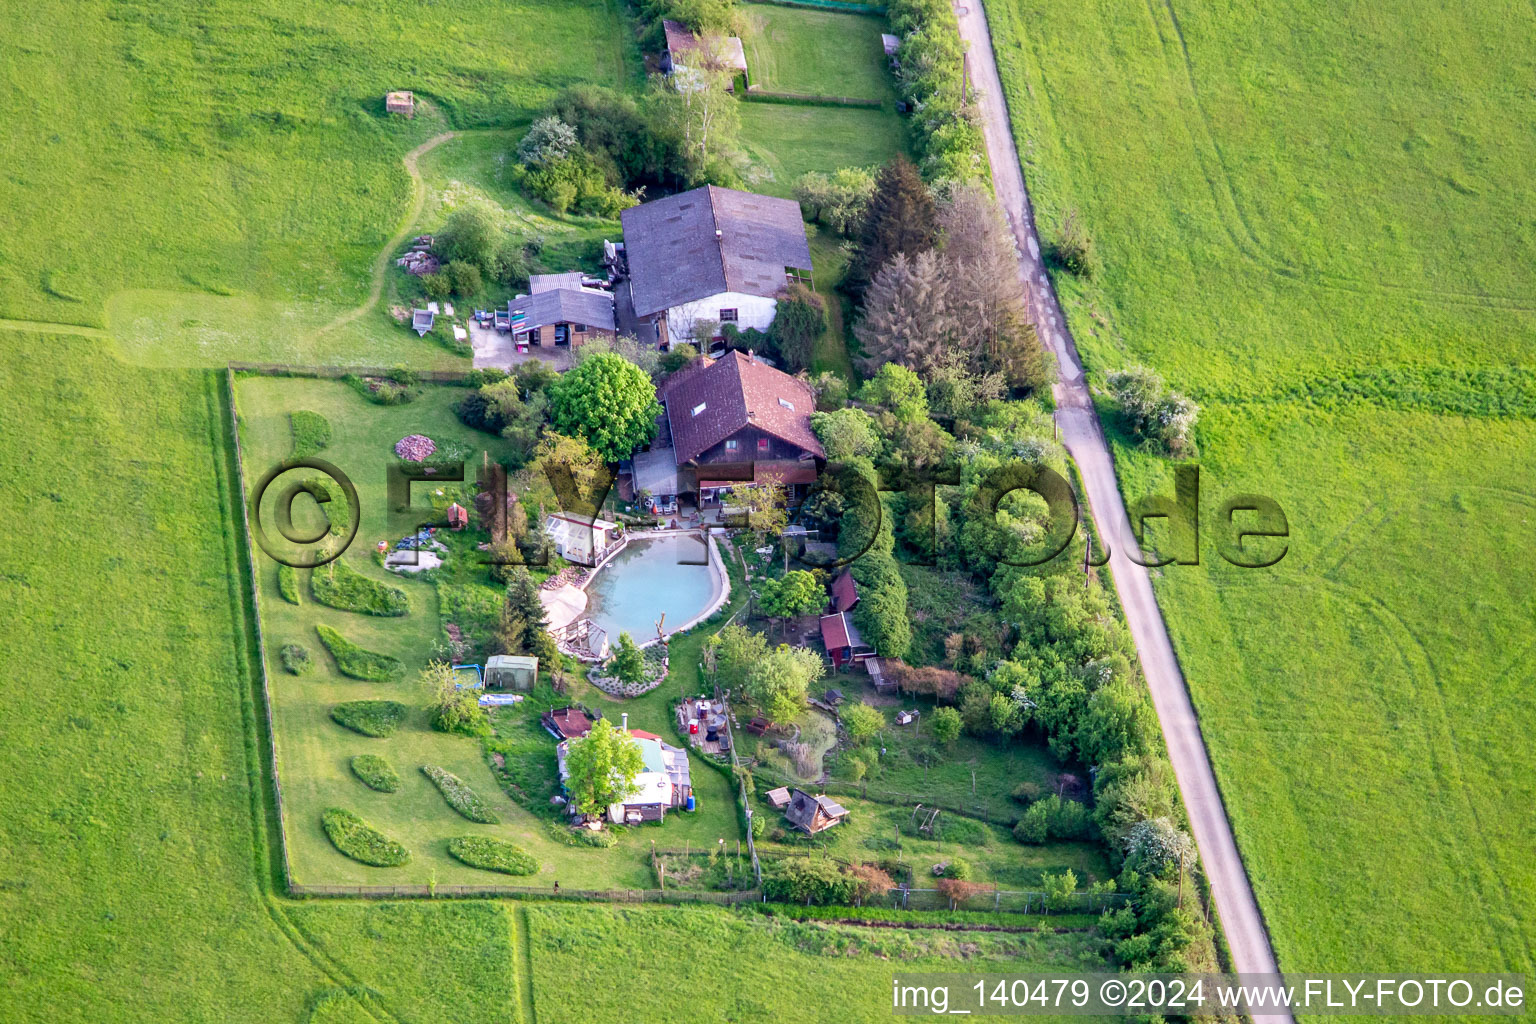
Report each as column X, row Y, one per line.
column 931, row 80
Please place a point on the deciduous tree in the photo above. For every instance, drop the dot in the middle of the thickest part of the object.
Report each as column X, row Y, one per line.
column 610, row 402
column 778, row 683
column 601, row 768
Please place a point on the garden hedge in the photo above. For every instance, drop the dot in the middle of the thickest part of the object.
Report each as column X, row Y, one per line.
column 459, row 796
column 492, row 855
column 354, row 661
column 377, row 718
column 355, row 838
column 375, row 773
column 338, row 585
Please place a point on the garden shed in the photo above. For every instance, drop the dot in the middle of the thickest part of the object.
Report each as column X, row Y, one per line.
column 400, row 103
column 511, row 671
column 812, row 814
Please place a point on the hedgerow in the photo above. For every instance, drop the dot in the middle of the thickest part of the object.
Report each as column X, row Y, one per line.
column 338, row 585
column 296, row 659
column 459, row 796
column 354, row 661
column 492, row 855
column 355, row 838
column 288, row 583
column 376, row 773
column 311, row 432
column 377, row 718
column 931, row 78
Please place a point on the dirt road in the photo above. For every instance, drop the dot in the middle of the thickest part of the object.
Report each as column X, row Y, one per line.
column 1240, row 917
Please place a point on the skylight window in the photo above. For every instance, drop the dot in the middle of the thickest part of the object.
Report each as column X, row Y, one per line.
column 700, row 408
column 787, row 404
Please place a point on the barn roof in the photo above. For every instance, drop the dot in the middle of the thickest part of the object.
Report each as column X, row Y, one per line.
column 563, row 306
column 711, row 240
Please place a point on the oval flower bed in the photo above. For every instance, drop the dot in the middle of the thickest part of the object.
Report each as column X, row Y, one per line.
column 492, row 855
column 357, row 839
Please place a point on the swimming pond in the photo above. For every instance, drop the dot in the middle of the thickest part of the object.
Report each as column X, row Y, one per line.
column 652, row 576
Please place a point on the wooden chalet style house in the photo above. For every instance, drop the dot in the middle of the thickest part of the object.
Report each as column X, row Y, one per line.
column 736, row 420
column 711, row 254
column 559, row 312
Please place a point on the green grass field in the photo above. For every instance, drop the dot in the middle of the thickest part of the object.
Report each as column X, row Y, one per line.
column 784, row 141
column 817, row 53
column 1314, row 221
column 255, row 198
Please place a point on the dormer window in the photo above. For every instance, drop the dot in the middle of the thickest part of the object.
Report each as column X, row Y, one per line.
column 700, row 408
column 787, row 404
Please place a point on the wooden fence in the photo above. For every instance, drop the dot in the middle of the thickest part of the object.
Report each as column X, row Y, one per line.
column 389, row 892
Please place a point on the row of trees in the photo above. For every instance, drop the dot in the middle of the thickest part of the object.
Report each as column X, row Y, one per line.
column 938, row 282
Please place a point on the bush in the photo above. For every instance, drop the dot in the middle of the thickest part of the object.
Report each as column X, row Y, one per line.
column 1053, row 818
column 311, row 432
column 355, row 662
column 492, row 855
column 600, row 840
column 945, row 724
column 288, row 583
column 377, row 718
column 296, row 659
column 464, row 277
column 357, row 839
column 811, row 880
column 459, row 796
column 338, row 585
column 375, row 773
column 1073, row 251
column 1026, row 793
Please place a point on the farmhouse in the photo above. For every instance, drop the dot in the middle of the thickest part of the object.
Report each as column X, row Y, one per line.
column 581, row 539
column 712, row 255
column 813, row 814
column 686, row 50
column 737, row 420
column 844, row 644
column 560, row 312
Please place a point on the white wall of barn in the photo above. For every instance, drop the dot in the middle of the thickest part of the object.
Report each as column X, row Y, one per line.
column 751, row 311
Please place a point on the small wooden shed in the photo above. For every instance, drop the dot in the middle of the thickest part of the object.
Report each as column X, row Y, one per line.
column 778, row 799
column 400, row 103
column 511, row 671
column 458, row 518
column 813, row 814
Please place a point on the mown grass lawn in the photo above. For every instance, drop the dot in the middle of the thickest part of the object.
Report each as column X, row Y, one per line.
column 818, row 53
column 784, row 141
column 1321, row 233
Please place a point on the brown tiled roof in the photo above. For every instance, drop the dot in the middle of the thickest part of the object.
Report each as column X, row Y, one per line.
column 737, row 391
column 711, row 240
column 786, row 471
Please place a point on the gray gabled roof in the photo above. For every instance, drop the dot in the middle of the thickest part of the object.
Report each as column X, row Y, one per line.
column 711, row 240
column 565, row 306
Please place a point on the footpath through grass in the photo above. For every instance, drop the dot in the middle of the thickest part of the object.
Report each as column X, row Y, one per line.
column 1304, row 216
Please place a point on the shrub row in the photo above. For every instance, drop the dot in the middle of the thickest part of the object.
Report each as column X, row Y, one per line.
column 459, row 796
column 376, row 773
column 492, row 855
column 296, row 659
column 357, row 839
column 931, row 79
column 288, row 583
column 354, row 661
column 338, row 585
column 377, row 718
